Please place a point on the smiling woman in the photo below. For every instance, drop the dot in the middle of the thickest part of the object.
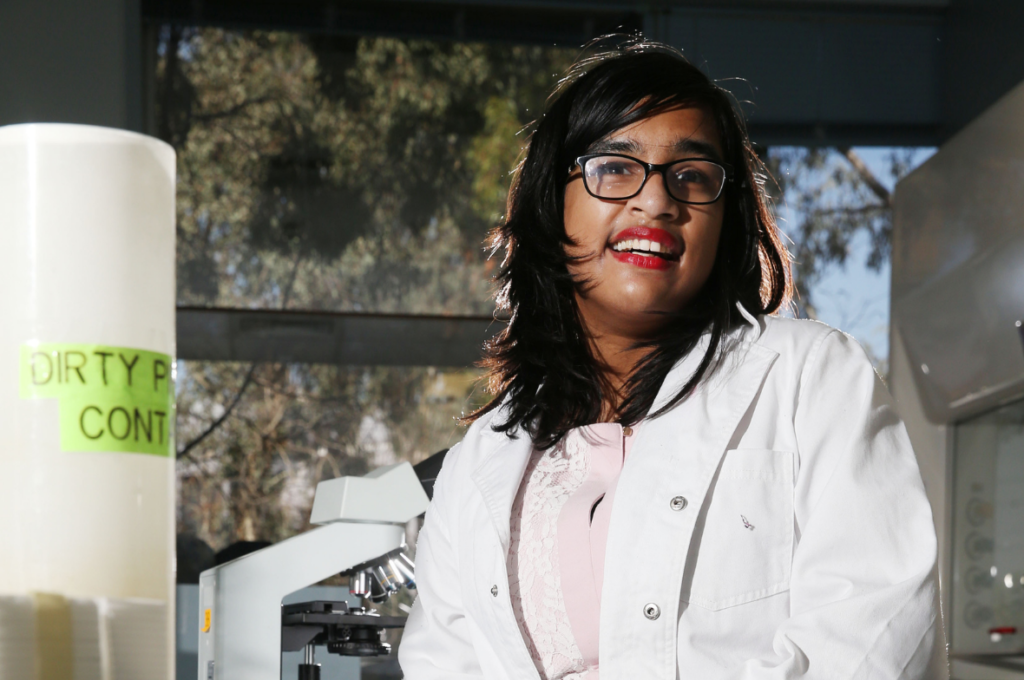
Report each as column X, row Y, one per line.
column 634, row 288
column 662, row 483
column 616, row 125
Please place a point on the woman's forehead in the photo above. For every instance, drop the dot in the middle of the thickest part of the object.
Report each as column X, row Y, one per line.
column 682, row 130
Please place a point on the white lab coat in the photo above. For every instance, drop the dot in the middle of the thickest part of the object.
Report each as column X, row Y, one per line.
column 806, row 547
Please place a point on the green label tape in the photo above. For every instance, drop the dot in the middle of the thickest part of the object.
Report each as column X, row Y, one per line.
column 111, row 398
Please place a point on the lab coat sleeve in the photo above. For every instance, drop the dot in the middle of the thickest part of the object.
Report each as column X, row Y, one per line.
column 863, row 590
column 437, row 639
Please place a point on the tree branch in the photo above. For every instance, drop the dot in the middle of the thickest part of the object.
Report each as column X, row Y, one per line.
column 850, row 210
column 868, row 177
column 231, row 111
column 184, row 452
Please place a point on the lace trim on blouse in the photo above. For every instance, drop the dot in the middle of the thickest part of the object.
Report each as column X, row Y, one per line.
column 559, row 490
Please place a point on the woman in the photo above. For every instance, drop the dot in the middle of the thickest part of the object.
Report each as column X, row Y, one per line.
column 668, row 482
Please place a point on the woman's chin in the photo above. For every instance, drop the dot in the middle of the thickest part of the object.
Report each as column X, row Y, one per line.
column 637, row 320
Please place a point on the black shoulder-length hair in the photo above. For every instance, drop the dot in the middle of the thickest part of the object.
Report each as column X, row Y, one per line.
column 541, row 366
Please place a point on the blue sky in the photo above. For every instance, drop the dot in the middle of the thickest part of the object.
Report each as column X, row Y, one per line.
column 852, row 297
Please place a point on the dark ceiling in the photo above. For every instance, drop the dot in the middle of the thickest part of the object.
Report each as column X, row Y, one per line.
column 814, row 72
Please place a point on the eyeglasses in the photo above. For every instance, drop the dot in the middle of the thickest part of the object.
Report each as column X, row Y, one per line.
column 616, row 177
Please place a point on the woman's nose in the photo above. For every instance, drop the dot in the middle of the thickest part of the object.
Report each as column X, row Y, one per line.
column 653, row 200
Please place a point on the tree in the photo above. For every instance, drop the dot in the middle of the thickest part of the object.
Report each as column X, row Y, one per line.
column 330, row 174
column 836, row 197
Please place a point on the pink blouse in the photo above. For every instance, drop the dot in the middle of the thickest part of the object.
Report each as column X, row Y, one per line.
column 559, row 531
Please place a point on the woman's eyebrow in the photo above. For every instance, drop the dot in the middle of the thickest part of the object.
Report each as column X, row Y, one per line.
column 695, row 147
column 684, row 147
column 616, row 146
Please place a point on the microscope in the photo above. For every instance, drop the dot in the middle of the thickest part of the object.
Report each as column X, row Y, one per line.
column 361, row 534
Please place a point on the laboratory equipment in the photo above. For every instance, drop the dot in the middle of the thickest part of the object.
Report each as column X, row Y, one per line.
column 87, row 341
column 988, row 533
column 957, row 358
column 243, row 627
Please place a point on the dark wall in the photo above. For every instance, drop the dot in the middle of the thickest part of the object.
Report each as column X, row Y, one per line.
column 816, row 73
column 71, row 61
column 983, row 57
column 838, row 75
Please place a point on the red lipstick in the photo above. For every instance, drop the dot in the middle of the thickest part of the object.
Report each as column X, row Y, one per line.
column 644, row 261
column 660, row 251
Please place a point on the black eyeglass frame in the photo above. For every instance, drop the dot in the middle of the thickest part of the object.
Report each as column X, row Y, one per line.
column 581, row 163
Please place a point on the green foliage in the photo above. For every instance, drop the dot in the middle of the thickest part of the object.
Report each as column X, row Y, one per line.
column 337, row 174
column 489, row 157
column 294, row 150
column 254, row 476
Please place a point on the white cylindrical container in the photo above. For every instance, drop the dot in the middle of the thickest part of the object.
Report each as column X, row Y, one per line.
column 87, row 345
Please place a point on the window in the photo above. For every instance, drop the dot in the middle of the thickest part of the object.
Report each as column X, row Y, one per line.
column 329, row 175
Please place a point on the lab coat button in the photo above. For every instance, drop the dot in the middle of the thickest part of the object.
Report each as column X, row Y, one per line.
column 677, row 503
column 652, row 611
column 494, row 590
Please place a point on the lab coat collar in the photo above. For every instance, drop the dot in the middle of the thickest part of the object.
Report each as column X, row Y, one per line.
column 735, row 347
column 500, row 473
column 757, row 323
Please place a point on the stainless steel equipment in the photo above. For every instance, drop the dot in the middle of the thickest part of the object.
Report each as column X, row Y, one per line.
column 957, row 373
column 988, row 533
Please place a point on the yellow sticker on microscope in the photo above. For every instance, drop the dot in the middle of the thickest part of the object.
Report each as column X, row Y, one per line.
column 110, row 398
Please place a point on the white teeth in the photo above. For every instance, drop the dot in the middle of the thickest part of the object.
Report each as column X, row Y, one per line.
column 642, row 245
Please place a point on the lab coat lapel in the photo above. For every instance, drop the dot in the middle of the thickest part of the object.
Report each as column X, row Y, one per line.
column 499, row 475
column 675, row 455
column 708, row 419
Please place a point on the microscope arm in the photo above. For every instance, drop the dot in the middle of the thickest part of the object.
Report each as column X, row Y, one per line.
column 245, row 625
column 364, row 519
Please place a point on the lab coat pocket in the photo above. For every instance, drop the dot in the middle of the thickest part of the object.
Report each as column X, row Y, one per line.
column 745, row 549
